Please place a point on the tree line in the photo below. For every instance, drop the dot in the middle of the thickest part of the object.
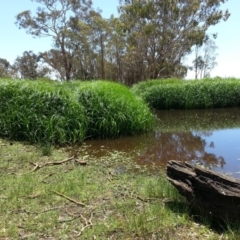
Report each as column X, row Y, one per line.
column 148, row 39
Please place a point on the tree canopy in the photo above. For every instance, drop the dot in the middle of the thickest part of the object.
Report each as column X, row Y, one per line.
column 149, row 39
column 4, row 67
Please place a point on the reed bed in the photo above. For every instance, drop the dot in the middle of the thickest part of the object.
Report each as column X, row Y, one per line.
column 37, row 112
column 190, row 94
column 112, row 109
column 60, row 113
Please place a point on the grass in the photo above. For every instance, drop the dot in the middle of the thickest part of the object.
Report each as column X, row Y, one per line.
column 112, row 109
column 191, row 94
column 55, row 113
column 37, row 112
column 88, row 197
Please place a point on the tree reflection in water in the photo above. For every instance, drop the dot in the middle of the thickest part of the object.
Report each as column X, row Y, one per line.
column 182, row 146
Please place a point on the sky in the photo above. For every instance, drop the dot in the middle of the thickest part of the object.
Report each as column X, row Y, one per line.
column 14, row 41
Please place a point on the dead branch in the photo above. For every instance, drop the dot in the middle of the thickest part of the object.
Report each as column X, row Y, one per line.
column 34, row 212
column 81, row 162
column 37, row 166
column 68, row 220
column 87, row 223
column 145, row 199
column 209, row 194
column 34, row 169
column 34, row 196
column 59, row 162
column 70, row 199
column 47, row 176
column 3, row 197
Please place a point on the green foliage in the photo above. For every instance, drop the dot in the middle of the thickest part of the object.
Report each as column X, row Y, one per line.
column 151, row 34
column 175, row 94
column 112, row 109
column 47, row 112
column 144, row 42
column 28, row 66
column 36, row 112
column 4, row 68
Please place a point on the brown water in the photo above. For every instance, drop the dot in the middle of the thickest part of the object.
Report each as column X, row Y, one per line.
column 206, row 137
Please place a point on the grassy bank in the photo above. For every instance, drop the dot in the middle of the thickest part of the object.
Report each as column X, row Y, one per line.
column 56, row 113
column 191, row 94
column 71, row 195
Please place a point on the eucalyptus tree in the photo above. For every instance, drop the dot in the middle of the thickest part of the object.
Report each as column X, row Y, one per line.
column 209, row 57
column 28, row 66
column 56, row 19
column 101, row 32
column 5, row 67
column 114, row 49
column 54, row 59
column 205, row 59
column 89, row 40
column 159, row 34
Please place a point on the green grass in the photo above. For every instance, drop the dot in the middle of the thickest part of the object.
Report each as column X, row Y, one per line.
column 37, row 112
column 55, row 113
column 133, row 204
column 112, row 109
column 190, row 94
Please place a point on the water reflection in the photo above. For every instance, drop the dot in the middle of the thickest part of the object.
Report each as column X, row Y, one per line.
column 182, row 146
column 207, row 137
column 202, row 120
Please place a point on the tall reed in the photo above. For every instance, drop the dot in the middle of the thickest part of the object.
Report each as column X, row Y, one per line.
column 113, row 110
column 191, row 94
column 46, row 112
column 36, row 112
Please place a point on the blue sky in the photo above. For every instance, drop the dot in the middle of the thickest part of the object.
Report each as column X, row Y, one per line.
column 14, row 42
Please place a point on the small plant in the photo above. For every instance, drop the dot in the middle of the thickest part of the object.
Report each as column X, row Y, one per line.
column 45, row 149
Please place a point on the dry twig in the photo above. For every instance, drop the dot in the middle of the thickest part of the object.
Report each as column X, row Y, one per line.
column 70, row 199
column 145, row 199
column 38, row 166
column 34, row 212
column 87, row 223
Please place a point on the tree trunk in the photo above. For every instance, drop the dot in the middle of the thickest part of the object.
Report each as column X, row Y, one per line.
column 209, row 194
column 102, row 57
column 66, row 64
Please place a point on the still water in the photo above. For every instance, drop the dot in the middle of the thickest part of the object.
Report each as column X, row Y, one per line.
column 205, row 137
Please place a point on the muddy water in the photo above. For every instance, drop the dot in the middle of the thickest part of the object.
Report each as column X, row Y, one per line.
column 205, row 137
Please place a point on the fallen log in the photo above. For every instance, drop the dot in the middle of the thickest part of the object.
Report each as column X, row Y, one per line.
column 208, row 193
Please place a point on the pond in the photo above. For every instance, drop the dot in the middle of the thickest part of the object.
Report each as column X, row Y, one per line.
column 205, row 137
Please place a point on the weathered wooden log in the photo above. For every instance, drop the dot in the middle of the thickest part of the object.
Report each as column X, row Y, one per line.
column 208, row 193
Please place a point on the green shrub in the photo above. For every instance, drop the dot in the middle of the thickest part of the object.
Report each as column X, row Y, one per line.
column 36, row 112
column 51, row 112
column 191, row 94
column 113, row 110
